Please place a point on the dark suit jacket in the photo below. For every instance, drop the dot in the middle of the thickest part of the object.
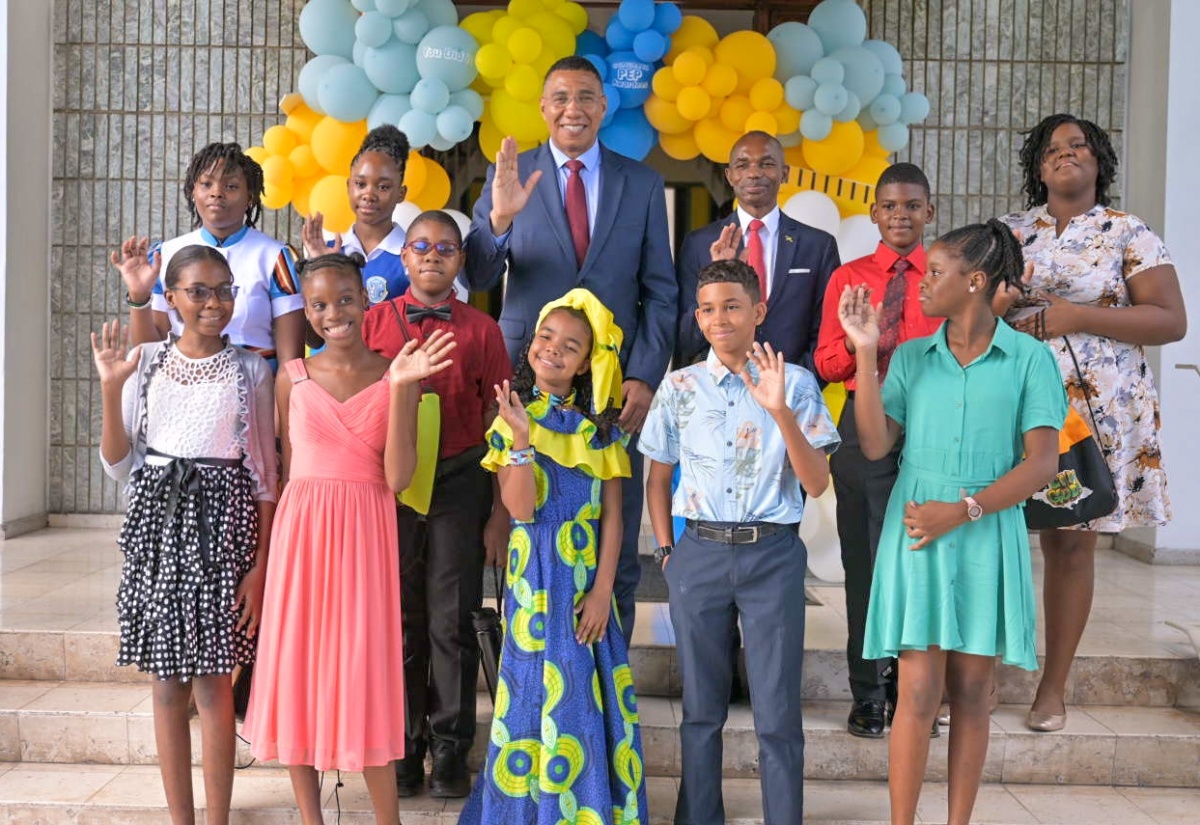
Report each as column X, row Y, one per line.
column 628, row 265
column 804, row 260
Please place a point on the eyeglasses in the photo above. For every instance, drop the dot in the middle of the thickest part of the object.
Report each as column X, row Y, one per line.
column 200, row 293
column 444, row 249
column 1052, row 151
column 584, row 100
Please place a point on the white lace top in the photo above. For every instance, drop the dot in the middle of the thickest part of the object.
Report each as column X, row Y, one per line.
column 193, row 406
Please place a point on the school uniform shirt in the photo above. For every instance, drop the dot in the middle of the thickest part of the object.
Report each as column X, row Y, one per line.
column 834, row 363
column 465, row 388
column 732, row 458
column 384, row 276
column 264, row 271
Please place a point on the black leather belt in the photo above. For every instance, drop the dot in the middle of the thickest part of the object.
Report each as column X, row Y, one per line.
column 733, row 534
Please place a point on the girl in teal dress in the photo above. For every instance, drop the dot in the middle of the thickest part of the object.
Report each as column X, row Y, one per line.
column 980, row 406
column 565, row 743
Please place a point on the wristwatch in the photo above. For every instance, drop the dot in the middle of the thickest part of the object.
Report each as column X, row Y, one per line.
column 661, row 553
column 974, row 508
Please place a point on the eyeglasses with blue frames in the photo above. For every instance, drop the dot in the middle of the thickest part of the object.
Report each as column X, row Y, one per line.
column 200, row 293
column 444, row 249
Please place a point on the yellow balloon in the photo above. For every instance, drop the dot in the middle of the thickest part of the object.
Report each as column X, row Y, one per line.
column 523, row 83
column 750, row 53
column 664, row 116
column 436, row 190
column 334, row 144
column 524, row 8
column 867, row 170
column 694, row 31
column 414, row 173
column 766, row 94
column 521, row 120
column 302, row 120
column 328, row 196
column 794, row 157
column 504, row 28
column 681, row 146
column 277, row 170
column 720, row 81
column 734, row 112
column 524, row 45
column 490, row 137
column 301, row 189
column 279, row 140
column 557, row 35
column 690, row 68
column 694, row 103
column 838, row 152
column 665, row 84
column 575, row 15
column 277, row 195
column 493, row 61
column 786, row 190
column 787, row 118
column 479, row 25
column 258, row 154
column 762, row 122
column 871, row 145
column 715, row 141
column 304, row 163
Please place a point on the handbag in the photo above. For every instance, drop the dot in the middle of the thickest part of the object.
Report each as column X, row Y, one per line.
column 1083, row 488
column 489, row 633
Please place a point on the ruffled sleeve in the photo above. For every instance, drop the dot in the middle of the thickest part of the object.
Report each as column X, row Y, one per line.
column 583, row 448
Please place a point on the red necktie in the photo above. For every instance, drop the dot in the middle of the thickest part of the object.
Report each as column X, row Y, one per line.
column 891, row 314
column 577, row 216
column 754, row 255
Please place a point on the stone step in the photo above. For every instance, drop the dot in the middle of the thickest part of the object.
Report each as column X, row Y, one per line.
column 1155, row 679
column 108, row 723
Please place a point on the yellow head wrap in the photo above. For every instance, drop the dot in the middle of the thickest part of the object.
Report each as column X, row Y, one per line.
column 606, row 345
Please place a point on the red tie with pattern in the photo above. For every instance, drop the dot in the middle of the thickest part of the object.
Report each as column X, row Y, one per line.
column 754, row 255
column 577, row 216
column 891, row 314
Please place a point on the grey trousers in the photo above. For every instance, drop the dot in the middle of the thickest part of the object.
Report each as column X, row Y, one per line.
column 711, row 585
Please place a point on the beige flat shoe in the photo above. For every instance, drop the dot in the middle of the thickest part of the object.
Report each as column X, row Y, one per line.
column 1045, row 722
column 943, row 718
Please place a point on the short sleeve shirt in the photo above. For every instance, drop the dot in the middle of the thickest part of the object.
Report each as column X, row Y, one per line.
column 384, row 275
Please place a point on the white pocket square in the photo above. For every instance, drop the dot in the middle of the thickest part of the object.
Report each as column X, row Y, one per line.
column 798, row 271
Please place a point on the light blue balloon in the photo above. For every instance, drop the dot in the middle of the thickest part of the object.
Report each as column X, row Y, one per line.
column 430, row 95
column 828, row 70
column 455, row 124
column 893, row 136
column 346, row 94
column 392, row 67
column 600, row 63
column 887, row 54
column 420, row 127
column 799, row 92
column 850, row 111
column 360, row 51
column 797, row 48
column 839, row 23
column 790, row 139
column 667, row 18
column 631, row 77
column 865, row 120
column 815, row 125
column 613, row 96
column 393, row 8
column 629, row 134
column 363, row 5
column 411, row 26
column 830, row 98
column 636, row 15
column 620, row 39
column 440, row 144
column 885, row 109
column 373, row 29
column 310, row 78
column 589, row 42
column 388, row 110
column 649, row 46
column 470, row 100
column 894, row 85
column 914, row 108
column 439, row 12
column 327, row 27
column 864, row 71
column 448, row 53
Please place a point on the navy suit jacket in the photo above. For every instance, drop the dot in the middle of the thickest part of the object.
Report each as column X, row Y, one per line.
column 628, row 265
column 804, row 261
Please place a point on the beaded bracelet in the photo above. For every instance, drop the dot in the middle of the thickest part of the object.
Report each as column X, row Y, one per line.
column 519, row 458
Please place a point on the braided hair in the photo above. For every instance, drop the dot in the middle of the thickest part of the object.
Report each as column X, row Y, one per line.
column 353, row 263
column 224, row 156
column 990, row 248
column 390, row 141
column 1038, row 138
column 524, row 383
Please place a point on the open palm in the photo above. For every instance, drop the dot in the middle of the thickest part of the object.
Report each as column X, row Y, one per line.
column 859, row 318
column 110, row 352
column 511, row 411
column 769, row 389
column 138, row 271
column 415, row 363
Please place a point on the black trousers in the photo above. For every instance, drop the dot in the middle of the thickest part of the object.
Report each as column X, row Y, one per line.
column 441, row 582
column 862, row 487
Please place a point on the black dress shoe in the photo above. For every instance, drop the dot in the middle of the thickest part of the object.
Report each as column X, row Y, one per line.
column 410, row 776
column 866, row 719
column 450, row 778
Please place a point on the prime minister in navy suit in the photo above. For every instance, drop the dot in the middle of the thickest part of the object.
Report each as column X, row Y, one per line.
column 798, row 259
column 623, row 256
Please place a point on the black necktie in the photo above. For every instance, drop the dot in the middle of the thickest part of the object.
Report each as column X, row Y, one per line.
column 413, row 313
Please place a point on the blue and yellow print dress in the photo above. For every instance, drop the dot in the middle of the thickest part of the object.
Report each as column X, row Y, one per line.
column 565, row 745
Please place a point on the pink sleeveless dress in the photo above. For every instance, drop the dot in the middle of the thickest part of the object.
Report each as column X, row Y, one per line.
column 328, row 685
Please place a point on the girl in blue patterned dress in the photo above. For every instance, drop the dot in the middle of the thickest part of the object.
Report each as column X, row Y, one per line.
column 565, row 742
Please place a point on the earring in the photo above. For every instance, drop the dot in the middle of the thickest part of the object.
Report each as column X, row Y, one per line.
column 970, row 289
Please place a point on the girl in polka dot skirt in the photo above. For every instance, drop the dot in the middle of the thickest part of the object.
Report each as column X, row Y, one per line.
column 194, row 435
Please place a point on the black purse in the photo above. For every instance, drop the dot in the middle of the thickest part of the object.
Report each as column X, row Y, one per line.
column 1083, row 488
column 489, row 633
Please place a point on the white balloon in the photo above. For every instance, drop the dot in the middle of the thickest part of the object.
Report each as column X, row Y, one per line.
column 857, row 237
column 815, row 209
column 405, row 213
column 818, row 531
column 463, row 220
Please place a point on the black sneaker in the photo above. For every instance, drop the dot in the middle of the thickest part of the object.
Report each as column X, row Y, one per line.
column 449, row 779
column 866, row 719
column 410, row 776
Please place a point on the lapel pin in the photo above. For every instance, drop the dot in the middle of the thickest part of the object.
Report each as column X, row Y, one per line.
column 788, row 238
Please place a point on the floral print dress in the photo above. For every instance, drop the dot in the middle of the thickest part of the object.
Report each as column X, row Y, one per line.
column 1090, row 263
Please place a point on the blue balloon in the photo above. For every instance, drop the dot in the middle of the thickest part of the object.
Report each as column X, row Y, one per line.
column 667, row 18
column 600, row 63
column 893, row 136
column 388, row 110
column 470, row 100
column 839, row 23
column 588, row 42
column 310, row 78
column 629, row 134
column 392, row 67
column 448, row 53
column 420, row 127
column 363, row 5
column 612, row 96
column 411, row 26
column 914, row 108
column 438, row 12
column 620, row 39
column 815, row 126
column 828, row 70
column 373, row 29
column 430, row 95
column 797, row 48
column 864, row 71
column 440, row 144
column 360, row 51
column 799, row 92
column 887, row 54
column 850, row 111
column 865, row 120
column 894, row 85
column 455, row 124
column 346, row 94
column 649, row 46
column 327, row 27
column 830, row 98
column 631, row 77
column 393, row 8
column 636, row 15
column 884, row 109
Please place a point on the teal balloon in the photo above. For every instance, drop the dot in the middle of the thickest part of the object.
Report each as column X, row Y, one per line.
column 914, row 108
column 392, row 67
column 363, row 5
column 327, row 27
column 310, row 78
column 864, row 71
column 894, row 85
column 815, row 125
column 360, row 51
column 649, row 46
column 667, row 18
column 430, row 95
column 470, row 100
column 797, row 48
column 629, row 134
column 455, row 124
column 887, row 54
column 636, row 15
column 440, row 144
column 373, row 29
column 850, row 111
column 411, row 26
column 589, row 42
column 790, row 139
column 346, row 94
column 393, row 8
column 885, row 109
column 420, row 127
column 839, row 23
column 438, row 12
column 828, row 70
column 448, row 53
column 799, row 92
column 830, row 98
column 865, row 120
column 388, row 110
column 893, row 136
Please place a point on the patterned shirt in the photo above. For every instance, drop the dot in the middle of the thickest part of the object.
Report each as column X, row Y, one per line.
column 733, row 461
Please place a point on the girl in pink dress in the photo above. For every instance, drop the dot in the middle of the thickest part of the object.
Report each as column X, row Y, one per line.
column 330, row 662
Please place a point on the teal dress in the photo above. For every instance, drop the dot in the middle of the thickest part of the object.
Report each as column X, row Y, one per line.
column 970, row 590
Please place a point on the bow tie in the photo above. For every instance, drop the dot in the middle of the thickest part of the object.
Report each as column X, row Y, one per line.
column 413, row 313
